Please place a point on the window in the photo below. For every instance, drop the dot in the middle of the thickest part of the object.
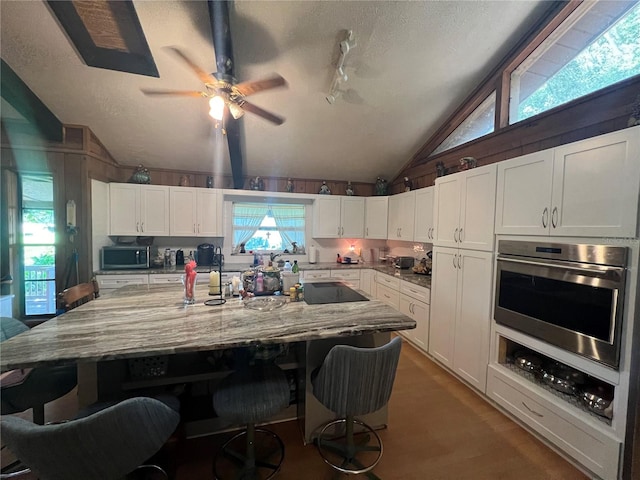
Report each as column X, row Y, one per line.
column 38, row 245
column 598, row 45
column 267, row 227
column 481, row 122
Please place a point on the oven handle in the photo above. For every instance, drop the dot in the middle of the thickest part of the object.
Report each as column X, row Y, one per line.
column 578, row 267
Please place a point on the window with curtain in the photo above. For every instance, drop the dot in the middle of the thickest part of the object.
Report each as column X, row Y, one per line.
column 265, row 227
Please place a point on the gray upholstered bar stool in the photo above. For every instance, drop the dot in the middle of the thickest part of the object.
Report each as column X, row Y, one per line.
column 351, row 382
column 249, row 395
column 106, row 445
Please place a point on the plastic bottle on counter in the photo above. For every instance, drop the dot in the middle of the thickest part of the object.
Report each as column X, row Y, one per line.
column 287, row 266
column 259, row 283
column 295, row 268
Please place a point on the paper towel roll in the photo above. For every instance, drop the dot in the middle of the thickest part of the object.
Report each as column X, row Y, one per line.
column 313, row 254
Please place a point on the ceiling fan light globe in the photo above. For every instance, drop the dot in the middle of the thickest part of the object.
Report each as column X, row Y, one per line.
column 236, row 111
column 216, row 104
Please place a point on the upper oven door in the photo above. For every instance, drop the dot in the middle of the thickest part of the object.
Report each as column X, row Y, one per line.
column 575, row 306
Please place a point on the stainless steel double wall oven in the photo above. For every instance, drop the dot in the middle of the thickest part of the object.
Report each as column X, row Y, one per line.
column 568, row 295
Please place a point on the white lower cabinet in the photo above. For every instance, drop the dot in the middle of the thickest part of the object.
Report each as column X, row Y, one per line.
column 367, row 281
column 418, row 311
column 592, row 447
column 350, row 277
column 111, row 282
column 460, row 322
column 315, row 274
column 388, row 295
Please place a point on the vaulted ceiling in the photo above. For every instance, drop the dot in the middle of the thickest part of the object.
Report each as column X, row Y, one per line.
column 414, row 62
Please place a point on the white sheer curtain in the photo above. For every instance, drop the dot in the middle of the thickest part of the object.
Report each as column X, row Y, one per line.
column 290, row 222
column 247, row 218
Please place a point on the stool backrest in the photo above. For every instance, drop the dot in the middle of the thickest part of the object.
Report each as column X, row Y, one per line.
column 104, row 446
column 357, row 381
column 77, row 295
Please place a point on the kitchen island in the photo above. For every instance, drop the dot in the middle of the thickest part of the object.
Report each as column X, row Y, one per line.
column 151, row 320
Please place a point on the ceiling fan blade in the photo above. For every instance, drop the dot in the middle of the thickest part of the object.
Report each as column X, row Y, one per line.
column 250, row 107
column 178, row 93
column 249, row 88
column 205, row 77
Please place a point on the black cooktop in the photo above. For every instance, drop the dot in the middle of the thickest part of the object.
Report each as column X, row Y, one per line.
column 330, row 292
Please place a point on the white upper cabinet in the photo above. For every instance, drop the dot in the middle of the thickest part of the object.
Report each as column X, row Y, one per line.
column 596, row 186
column 138, row 209
column 586, row 188
column 423, row 219
column 401, row 219
column 464, row 209
column 196, row 212
column 338, row 217
column 375, row 219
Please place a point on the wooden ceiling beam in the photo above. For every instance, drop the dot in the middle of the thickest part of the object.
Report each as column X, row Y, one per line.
column 27, row 104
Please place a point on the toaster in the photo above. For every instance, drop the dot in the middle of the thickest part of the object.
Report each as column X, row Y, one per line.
column 404, row 262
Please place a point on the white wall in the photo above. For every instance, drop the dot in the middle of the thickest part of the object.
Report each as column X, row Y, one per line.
column 99, row 221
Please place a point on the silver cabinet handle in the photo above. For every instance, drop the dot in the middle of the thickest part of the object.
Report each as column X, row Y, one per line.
column 342, row 232
column 545, row 212
column 454, row 260
column 459, row 260
column 366, row 231
column 142, row 227
column 532, row 411
column 198, row 228
column 137, row 226
column 554, row 217
column 455, row 232
column 460, row 236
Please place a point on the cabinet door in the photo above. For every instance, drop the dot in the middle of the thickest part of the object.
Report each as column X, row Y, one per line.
column 366, row 281
column 423, row 218
column 595, row 186
column 352, row 217
column 388, row 295
column 393, row 219
column 523, row 194
column 419, row 312
column 209, row 210
column 376, row 214
column 446, row 211
column 124, row 209
column 183, row 210
column 473, row 317
column 443, row 304
column 154, row 210
column 407, row 215
column 326, row 217
column 477, row 208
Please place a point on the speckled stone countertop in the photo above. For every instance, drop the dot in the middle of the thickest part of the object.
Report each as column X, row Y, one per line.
column 138, row 321
column 407, row 274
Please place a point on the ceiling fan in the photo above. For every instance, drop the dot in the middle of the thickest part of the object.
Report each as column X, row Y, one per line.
column 224, row 93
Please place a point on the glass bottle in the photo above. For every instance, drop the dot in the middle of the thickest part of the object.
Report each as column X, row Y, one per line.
column 287, row 266
column 295, row 268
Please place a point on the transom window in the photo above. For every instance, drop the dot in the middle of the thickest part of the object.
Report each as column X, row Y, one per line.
column 481, row 122
column 264, row 227
column 598, row 45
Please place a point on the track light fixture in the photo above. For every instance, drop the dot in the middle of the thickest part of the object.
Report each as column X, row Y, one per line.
column 340, row 76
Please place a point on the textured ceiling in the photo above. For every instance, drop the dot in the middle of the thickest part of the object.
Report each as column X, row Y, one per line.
column 413, row 65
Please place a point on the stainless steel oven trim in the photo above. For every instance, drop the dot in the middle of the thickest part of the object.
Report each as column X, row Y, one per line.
column 613, row 278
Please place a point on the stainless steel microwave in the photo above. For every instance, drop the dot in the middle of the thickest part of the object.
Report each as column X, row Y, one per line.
column 126, row 257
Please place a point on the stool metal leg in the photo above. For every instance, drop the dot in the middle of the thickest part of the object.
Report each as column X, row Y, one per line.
column 346, row 447
column 252, row 463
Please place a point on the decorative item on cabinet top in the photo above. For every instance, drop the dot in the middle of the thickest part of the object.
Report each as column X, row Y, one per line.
column 381, row 186
column 289, row 188
column 466, row 163
column 408, row 184
column 350, row 190
column 256, row 184
column 141, row 175
column 324, row 189
column 441, row 170
column 184, row 181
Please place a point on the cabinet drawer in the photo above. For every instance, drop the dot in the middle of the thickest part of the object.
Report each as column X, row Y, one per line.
column 389, row 296
column 313, row 274
column 109, row 282
column 388, row 280
column 164, row 278
column 592, row 447
column 346, row 274
column 415, row 291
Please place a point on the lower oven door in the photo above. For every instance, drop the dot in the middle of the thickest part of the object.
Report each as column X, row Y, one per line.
column 575, row 306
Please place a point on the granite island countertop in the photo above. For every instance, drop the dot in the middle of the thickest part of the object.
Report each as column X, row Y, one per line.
column 145, row 320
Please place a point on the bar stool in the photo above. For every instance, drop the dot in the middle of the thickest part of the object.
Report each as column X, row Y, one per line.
column 351, row 382
column 250, row 395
